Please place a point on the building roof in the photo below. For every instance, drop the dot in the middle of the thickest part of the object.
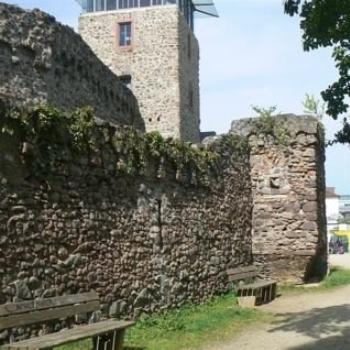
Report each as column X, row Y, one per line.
column 330, row 193
column 205, row 7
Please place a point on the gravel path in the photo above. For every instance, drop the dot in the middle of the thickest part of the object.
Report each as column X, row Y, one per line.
column 304, row 322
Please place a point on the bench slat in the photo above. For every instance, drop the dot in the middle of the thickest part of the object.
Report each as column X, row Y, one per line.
column 243, row 269
column 18, row 308
column 56, row 339
column 65, row 300
column 48, row 314
column 242, row 276
column 41, row 304
column 241, row 273
column 257, row 285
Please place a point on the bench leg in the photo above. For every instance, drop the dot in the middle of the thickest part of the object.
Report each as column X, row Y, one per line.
column 110, row 341
column 274, row 291
column 119, row 339
column 96, row 343
column 102, row 342
column 266, row 295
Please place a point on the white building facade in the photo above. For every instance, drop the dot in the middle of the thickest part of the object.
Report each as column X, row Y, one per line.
column 332, row 210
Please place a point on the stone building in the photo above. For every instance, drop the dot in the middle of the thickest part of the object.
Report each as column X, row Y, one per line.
column 332, row 210
column 151, row 44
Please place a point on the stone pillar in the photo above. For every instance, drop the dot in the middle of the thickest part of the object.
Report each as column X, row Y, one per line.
column 288, row 180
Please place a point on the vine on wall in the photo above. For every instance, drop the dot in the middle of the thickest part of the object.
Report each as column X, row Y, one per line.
column 50, row 139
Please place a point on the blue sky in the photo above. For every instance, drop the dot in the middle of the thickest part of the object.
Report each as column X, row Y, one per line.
column 251, row 55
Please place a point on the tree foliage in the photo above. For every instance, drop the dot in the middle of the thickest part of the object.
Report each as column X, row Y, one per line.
column 326, row 23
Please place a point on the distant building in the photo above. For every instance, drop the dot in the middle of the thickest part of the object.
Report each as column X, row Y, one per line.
column 332, row 210
column 344, row 207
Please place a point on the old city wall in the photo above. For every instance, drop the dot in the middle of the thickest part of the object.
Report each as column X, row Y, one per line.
column 144, row 241
column 288, row 184
column 147, row 237
column 43, row 61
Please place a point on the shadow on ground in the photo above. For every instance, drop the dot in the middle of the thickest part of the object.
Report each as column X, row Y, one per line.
column 337, row 342
column 330, row 327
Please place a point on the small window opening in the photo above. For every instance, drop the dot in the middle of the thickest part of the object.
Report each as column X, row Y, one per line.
column 125, row 34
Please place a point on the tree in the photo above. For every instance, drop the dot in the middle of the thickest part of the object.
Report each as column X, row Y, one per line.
column 326, row 23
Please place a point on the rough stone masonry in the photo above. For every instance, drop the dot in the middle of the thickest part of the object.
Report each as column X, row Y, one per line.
column 43, row 61
column 288, row 183
column 144, row 243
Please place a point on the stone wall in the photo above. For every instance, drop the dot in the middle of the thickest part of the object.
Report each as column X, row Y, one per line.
column 163, row 62
column 43, row 61
column 288, row 184
column 143, row 242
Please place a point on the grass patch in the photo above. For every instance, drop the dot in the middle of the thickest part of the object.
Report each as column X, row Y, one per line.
column 193, row 326
column 337, row 277
column 189, row 327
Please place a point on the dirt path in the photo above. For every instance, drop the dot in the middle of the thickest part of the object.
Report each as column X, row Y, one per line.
column 305, row 322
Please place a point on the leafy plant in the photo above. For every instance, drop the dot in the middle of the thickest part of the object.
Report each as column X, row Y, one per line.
column 314, row 106
column 267, row 124
column 58, row 139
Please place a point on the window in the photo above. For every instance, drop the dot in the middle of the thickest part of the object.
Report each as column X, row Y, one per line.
column 125, row 4
column 90, row 6
column 100, row 5
column 145, row 3
column 125, row 34
column 111, row 5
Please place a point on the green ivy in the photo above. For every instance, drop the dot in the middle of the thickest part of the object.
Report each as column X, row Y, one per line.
column 54, row 139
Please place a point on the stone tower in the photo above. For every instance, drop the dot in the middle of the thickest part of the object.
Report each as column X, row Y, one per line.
column 151, row 46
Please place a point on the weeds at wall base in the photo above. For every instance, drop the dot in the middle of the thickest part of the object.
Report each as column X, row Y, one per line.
column 338, row 277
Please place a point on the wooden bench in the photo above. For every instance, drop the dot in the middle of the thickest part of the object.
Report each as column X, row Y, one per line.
column 251, row 290
column 106, row 335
